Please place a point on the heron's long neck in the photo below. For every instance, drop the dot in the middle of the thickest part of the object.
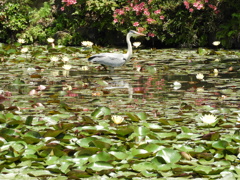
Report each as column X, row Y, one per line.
column 129, row 52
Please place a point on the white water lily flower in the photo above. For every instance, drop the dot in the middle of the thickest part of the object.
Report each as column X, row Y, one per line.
column 117, row 119
column 67, row 67
column 41, row 87
column 177, row 85
column 136, row 44
column 54, row 58
column 216, row 43
column 31, row 71
column 215, row 71
column 65, row 59
column 208, row 118
column 200, row 76
column 238, row 119
column 50, row 40
column 21, row 41
column 84, row 68
column 55, row 73
column 24, row 50
column 200, row 89
column 87, row 43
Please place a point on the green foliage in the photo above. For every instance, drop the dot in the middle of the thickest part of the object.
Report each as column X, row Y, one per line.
column 228, row 31
column 40, row 20
column 14, row 18
column 184, row 23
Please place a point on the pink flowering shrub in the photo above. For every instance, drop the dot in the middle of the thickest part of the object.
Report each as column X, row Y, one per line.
column 69, row 2
column 172, row 21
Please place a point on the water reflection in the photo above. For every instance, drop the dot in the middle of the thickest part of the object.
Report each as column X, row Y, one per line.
column 148, row 86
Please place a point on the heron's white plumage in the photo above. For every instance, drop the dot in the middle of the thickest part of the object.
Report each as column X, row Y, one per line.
column 114, row 59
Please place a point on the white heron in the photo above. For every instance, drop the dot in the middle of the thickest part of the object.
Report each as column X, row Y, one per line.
column 113, row 60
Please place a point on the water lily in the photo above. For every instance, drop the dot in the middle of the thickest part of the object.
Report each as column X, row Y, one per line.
column 216, row 43
column 208, row 119
column 50, row 40
column 215, row 72
column 200, row 76
column 84, row 68
column 87, row 43
column 31, row 71
column 200, row 89
column 21, row 41
column 41, row 87
column 54, row 58
column 238, row 119
column 177, row 85
column 117, row 119
column 24, row 50
column 65, row 59
column 67, row 67
column 136, row 44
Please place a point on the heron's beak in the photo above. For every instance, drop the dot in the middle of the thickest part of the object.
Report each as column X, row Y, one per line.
column 140, row 34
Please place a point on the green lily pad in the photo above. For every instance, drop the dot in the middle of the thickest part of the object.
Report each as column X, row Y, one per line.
column 101, row 111
column 220, row 145
column 169, row 155
column 99, row 166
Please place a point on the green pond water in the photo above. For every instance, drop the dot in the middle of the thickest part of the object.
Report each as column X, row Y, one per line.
column 57, row 123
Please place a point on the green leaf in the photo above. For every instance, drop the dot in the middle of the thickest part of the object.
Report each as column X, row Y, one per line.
column 203, row 169
column 169, row 155
column 102, row 156
column 119, row 155
column 141, row 131
column 140, row 153
column 142, row 115
column 220, row 144
column 123, row 131
column 101, row 111
column 29, row 120
column 37, row 173
column 133, row 117
column 171, row 135
column 99, row 166
column 144, row 166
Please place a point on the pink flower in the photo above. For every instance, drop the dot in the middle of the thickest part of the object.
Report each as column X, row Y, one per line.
column 69, row 2
column 115, row 20
column 146, row 12
column 200, row 6
column 136, row 8
column 162, row 17
column 196, row 4
column 206, row 1
column 186, row 3
column 157, row 11
column 127, row 8
column 151, row 34
column 140, row 29
column 150, row 20
column 217, row 11
column 191, row 10
column 136, row 24
column 141, row 5
column 119, row 11
column 212, row 7
column 62, row 8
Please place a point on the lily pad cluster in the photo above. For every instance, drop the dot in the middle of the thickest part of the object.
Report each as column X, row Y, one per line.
column 151, row 119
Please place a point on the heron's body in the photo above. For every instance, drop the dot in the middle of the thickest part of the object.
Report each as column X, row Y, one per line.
column 113, row 60
column 109, row 59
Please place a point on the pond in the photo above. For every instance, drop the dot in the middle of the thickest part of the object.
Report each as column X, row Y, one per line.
column 143, row 121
